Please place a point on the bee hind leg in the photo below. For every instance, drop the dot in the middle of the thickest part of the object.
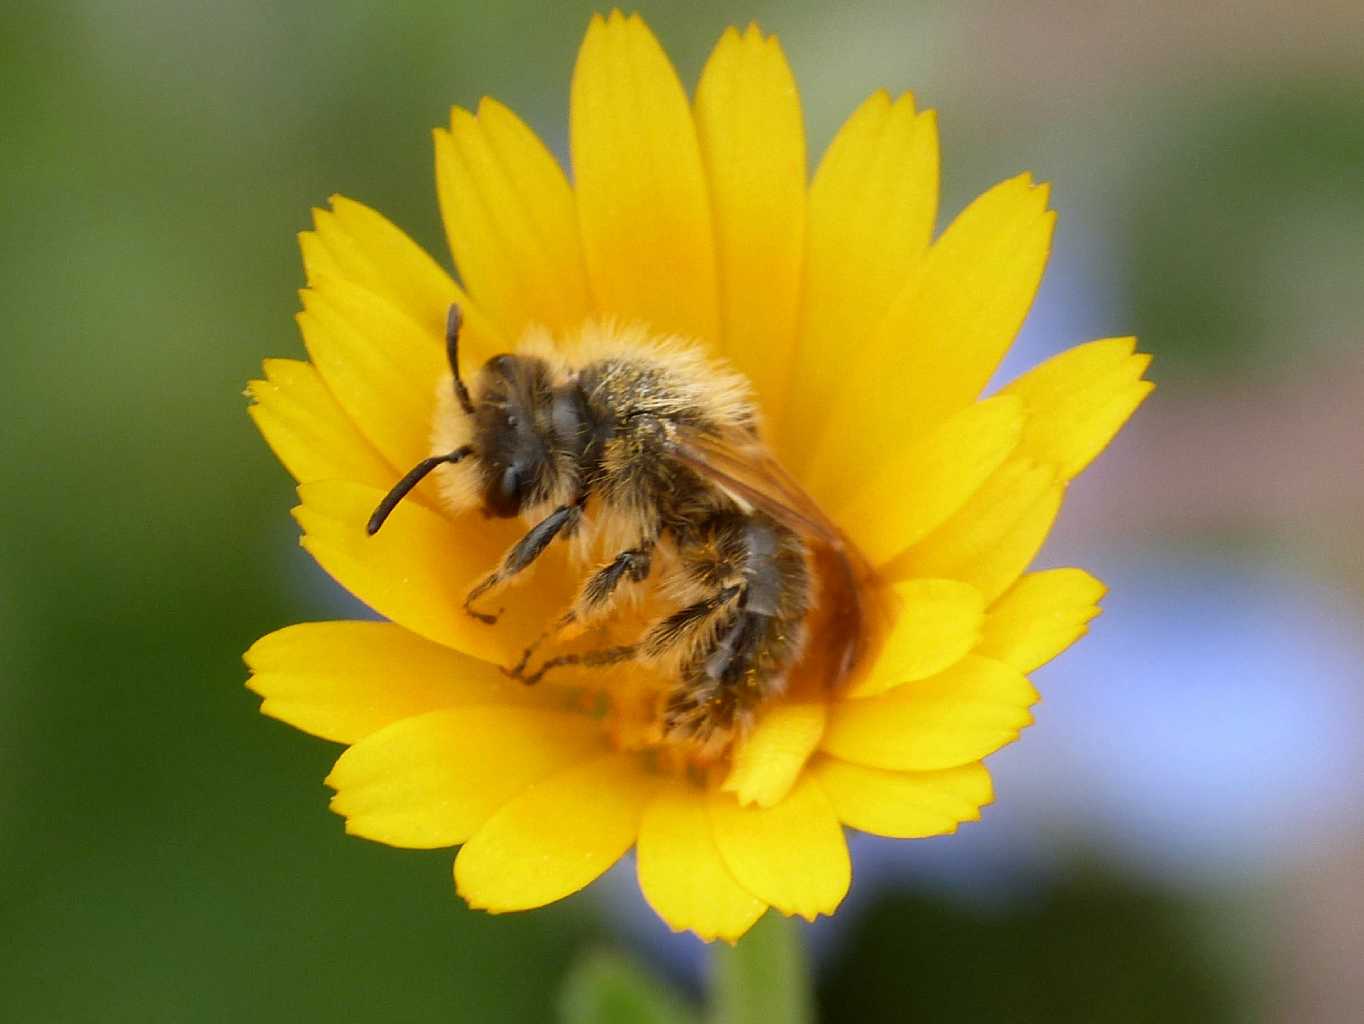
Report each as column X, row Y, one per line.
column 685, row 623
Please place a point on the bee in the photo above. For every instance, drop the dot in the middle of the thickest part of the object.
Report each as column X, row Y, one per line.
column 645, row 449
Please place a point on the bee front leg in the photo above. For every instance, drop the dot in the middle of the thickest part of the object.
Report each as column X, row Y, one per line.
column 523, row 553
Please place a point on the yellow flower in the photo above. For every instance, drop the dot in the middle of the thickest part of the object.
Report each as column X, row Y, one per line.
column 868, row 343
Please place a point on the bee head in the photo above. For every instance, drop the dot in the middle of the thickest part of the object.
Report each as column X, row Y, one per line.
column 512, row 433
column 513, row 411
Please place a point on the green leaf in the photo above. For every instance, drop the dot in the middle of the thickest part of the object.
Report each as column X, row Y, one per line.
column 764, row 979
column 607, row 989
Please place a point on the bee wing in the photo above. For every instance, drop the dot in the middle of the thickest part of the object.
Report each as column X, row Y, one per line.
column 748, row 472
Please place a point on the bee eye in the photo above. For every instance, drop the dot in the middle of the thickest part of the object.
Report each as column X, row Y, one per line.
column 504, row 497
column 502, row 365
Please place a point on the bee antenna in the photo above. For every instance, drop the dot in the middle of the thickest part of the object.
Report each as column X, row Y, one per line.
column 453, row 322
column 413, row 477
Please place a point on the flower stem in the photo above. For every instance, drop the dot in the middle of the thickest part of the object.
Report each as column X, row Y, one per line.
column 764, row 979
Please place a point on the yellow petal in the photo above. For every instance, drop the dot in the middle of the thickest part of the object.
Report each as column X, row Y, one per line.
column 1040, row 616
column 511, row 221
column 994, row 536
column 555, row 838
column 417, row 569
column 904, row 805
column 944, row 335
column 436, row 779
column 918, row 486
column 309, row 432
column 752, row 138
column 1078, row 400
column 960, row 716
column 345, row 680
column 642, row 202
column 768, row 761
column 355, row 245
column 791, row 856
column 681, row 873
column 871, row 211
column 937, row 622
column 379, row 363
column 358, row 244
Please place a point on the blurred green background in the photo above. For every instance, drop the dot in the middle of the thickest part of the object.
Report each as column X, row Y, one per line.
column 166, row 854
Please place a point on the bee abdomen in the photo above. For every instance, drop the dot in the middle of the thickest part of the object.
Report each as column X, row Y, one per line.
column 734, row 653
column 746, row 654
column 723, row 684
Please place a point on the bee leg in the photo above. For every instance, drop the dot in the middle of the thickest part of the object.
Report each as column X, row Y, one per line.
column 595, row 597
column 682, row 623
column 588, row 659
column 517, row 671
column 523, row 553
column 633, row 564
